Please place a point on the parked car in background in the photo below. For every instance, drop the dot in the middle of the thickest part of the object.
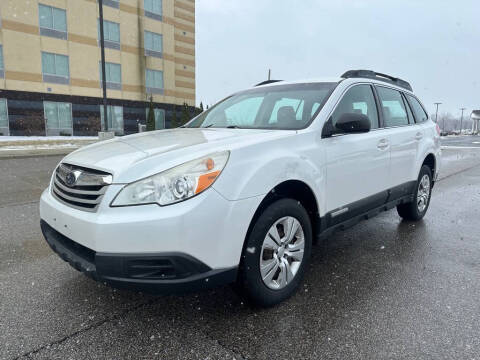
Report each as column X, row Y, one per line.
column 238, row 194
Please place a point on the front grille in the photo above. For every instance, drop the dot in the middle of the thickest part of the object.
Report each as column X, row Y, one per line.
column 80, row 187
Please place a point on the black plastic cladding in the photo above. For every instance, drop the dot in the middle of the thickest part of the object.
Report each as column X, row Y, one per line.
column 369, row 74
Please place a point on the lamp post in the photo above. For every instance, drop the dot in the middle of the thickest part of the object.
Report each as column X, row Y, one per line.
column 102, row 51
column 436, row 113
column 461, row 120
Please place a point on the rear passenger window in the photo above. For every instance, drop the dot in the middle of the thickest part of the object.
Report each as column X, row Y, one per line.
column 393, row 108
column 358, row 99
column 420, row 114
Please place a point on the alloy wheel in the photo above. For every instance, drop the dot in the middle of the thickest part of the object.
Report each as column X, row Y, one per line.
column 423, row 193
column 282, row 253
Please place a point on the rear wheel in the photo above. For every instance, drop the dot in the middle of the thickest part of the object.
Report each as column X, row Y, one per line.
column 417, row 209
column 276, row 253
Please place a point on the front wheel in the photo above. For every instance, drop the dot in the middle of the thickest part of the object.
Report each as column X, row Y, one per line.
column 276, row 253
column 417, row 209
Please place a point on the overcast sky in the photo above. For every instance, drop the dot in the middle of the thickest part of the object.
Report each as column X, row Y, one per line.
column 433, row 44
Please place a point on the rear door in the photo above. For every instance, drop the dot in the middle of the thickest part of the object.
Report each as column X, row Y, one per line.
column 403, row 137
column 357, row 164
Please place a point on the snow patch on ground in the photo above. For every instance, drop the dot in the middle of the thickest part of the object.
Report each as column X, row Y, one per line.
column 47, row 138
column 38, row 147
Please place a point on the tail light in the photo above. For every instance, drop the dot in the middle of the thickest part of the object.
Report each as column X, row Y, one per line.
column 438, row 129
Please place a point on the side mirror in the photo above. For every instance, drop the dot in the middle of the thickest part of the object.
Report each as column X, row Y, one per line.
column 353, row 123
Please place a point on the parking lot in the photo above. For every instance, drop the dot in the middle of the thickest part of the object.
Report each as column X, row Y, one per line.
column 384, row 289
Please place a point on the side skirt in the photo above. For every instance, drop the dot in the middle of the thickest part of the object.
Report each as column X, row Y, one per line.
column 327, row 228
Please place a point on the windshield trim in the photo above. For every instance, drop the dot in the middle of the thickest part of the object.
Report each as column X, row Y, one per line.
column 277, row 87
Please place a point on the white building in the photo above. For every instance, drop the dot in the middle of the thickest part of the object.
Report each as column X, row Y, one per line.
column 475, row 116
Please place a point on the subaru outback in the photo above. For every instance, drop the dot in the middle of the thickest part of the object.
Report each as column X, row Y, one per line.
column 238, row 193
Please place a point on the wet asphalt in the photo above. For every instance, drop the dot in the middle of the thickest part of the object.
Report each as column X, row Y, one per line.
column 461, row 141
column 384, row 289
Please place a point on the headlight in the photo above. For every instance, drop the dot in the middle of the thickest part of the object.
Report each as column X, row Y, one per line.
column 176, row 184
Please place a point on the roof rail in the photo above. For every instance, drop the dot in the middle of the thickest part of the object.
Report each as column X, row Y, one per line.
column 267, row 82
column 369, row 74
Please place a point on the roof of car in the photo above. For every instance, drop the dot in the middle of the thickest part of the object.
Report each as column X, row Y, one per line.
column 331, row 80
column 301, row 81
column 353, row 76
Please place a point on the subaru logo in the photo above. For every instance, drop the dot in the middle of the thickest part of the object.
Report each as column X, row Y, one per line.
column 70, row 179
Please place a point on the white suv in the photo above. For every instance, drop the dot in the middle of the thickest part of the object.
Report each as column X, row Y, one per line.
column 239, row 193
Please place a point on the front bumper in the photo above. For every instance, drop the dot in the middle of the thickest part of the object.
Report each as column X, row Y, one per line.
column 207, row 227
column 163, row 273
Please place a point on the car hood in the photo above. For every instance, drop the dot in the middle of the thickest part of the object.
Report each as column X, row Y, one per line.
column 154, row 151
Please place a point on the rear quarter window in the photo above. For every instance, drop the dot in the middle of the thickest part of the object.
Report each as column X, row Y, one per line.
column 418, row 111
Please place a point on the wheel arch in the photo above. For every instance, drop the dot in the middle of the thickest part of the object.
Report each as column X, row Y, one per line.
column 431, row 161
column 293, row 189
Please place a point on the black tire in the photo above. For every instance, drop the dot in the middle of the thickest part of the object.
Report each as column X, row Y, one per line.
column 410, row 211
column 250, row 281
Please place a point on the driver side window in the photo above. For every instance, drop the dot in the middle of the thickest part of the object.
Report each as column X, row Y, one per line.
column 358, row 99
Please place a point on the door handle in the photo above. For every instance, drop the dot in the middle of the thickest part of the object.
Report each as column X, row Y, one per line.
column 418, row 136
column 382, row 144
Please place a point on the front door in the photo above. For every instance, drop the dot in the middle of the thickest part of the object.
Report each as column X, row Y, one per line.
column 357, row 164
column 3, row 118
column 58, row 118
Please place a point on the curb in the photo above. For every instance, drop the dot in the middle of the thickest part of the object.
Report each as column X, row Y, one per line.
column 12, row 154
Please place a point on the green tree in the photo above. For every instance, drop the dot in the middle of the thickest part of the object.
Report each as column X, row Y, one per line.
column 198, row 110
column 185, row 114
column 174, row 123
column 151, row 116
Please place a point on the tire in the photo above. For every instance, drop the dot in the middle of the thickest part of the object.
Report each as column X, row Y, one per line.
column 261, row 261
column 412, row 210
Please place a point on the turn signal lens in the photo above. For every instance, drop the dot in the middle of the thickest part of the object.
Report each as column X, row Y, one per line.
column 204, row 181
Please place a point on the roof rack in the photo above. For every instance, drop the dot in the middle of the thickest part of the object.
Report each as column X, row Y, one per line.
column 267, row 82
column 369, row 74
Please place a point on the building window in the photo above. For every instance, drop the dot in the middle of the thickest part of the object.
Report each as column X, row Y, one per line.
column 153, row 44
column 113, row 73
column 153, row 9
column 154, row 81
column 58, row 118
column 159, row 118
column 111, row 32
column 115, row 119
column 2, row 66
column 112, row 3
column 3, row 117
column 55, row 68
column 53, row 21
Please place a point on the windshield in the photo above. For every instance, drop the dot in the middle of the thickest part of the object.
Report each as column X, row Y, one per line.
column 273, row 107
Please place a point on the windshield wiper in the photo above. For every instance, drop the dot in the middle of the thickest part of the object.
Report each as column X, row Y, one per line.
column 226, row 127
